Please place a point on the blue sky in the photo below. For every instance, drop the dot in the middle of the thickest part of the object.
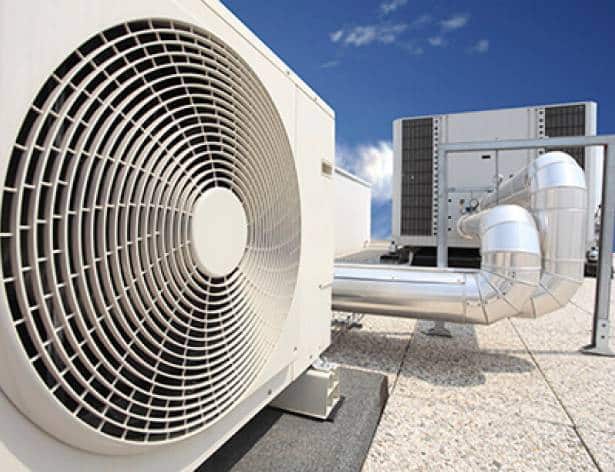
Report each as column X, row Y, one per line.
column 376, row 60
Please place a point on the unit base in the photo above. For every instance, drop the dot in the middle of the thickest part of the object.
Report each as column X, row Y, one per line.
column 277, row 440
column 604, row 351
column 316, row 393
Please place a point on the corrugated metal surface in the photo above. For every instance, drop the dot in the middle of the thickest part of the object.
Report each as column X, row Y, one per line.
column 417, row 177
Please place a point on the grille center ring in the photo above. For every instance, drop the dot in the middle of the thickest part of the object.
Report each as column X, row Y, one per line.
column 219, row 231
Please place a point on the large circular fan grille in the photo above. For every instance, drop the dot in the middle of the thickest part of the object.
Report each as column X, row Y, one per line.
column 108, row 300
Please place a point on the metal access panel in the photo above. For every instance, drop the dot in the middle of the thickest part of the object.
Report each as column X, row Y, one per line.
column 416, row 161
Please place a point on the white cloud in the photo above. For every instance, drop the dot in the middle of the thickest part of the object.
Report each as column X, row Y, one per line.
column 389, row 34
column 371, row 162
column 330, row 64
column 421, row 21
column 455, row 22
column 366, row 35
column 336, row 35
column 361, row 35
column 412, row 48
column 437, row 41
column 480, row 47
column 390, row 6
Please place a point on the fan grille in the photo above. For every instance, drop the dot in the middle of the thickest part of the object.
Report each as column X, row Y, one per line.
column 107, row 297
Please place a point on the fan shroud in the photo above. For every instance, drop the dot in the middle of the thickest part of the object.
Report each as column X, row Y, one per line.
column 108, row 300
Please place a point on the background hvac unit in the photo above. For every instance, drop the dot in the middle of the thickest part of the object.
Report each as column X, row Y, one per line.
column 166, row 231
column 353, row 217
column 415, row 182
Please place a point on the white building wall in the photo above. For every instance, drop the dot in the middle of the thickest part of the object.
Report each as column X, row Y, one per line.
column 352, row 213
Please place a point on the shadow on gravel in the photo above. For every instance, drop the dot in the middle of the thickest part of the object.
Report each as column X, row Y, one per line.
column 458, row 361
column 454, row 362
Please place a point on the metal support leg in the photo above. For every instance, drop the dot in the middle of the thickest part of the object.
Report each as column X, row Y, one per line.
column 439, row 329
column 601, row 343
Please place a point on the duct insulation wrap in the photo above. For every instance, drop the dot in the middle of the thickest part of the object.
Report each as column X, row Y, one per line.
column 510, row 272
column 553, row 189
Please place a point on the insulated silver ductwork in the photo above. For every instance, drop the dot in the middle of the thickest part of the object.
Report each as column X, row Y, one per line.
column 553, row 189
column 532, row 264
column 510, row 272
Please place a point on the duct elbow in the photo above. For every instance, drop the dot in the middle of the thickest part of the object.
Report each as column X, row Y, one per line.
column 550, row 296
column 555, row 291
column 558, row 201
column 553, row 189
column 510, row 263
column 499, row 297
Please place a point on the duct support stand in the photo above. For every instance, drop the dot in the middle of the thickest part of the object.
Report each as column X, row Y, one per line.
column 604, row 350
column 601, row 338
column 316, row 393
column 351, row 321
column 438, row 329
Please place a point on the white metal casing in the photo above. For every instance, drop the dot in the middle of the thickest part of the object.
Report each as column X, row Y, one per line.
column 35, row 38
column 471, row 176
column 353, row 202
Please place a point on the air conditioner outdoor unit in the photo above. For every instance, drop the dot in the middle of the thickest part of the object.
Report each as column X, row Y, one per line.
column 166, row 231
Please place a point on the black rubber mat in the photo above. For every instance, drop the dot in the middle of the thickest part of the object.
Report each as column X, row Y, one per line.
column 279, row 441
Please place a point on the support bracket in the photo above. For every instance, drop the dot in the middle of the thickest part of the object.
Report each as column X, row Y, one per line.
column 350, row 321
column 315, row 393
column 602, row 344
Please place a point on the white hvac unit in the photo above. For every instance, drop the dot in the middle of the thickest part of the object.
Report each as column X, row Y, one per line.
column 472, row 175
column 166, row 234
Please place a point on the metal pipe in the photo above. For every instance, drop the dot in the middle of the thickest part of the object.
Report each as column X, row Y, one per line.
column 522, row 144
column 553, row 189
column 509, row 275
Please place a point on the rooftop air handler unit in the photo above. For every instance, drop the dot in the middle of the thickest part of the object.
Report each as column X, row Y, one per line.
column 471, row 177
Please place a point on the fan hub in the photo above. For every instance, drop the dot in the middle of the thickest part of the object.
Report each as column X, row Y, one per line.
column 219, row 231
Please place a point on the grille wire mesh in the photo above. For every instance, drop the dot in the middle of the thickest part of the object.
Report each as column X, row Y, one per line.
column 106, row 295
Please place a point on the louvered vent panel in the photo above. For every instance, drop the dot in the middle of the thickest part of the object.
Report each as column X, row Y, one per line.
column 113, row 311
column 417, row 177
column 568, row 120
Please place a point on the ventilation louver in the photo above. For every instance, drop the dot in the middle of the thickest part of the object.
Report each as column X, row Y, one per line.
column 108, row 296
